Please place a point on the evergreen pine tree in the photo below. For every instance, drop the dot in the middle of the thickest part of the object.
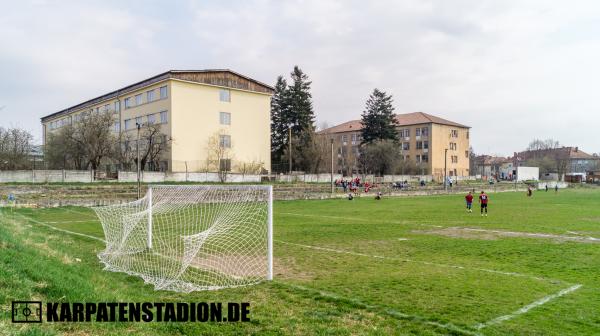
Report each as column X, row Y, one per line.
column 379, row 122
column 279, row 122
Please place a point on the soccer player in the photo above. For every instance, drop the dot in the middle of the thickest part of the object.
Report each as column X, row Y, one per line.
column 469, row 199
column 379, row 195
column 483, row 201
column 350, row 197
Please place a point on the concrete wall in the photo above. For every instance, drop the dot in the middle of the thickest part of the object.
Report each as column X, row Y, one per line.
column 44, row 176
column 158, row 177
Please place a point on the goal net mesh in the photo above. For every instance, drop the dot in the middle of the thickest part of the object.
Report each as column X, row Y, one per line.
column 188, row 238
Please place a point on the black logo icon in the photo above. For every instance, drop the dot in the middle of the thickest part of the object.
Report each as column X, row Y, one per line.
column 27, row 311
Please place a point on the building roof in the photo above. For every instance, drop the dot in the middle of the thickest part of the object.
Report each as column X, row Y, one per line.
column 405, row 119
column 250, row 84
column 563, row 152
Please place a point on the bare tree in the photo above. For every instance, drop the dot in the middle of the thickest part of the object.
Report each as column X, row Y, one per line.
column 219, row 154
column 251, row 167
column 153, row 143
column 538, row 144
column 63, row 152
column 16, row 146
column 124, row 151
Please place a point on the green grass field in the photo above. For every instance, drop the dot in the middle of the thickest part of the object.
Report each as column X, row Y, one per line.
column 418, row 265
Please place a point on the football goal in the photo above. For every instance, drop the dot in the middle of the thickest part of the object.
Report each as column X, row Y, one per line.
column 187, row 238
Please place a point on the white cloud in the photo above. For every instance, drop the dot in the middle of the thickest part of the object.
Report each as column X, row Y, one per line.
column 513, row 70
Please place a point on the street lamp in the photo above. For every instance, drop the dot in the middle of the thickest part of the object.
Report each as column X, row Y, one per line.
column 445, row 169
column 290, row 149
column 332, row 186
column 139, row 183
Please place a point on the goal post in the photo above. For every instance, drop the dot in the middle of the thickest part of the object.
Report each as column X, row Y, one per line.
column 192, row 237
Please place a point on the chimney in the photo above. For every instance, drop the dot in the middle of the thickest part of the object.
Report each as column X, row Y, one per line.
column 576, row 149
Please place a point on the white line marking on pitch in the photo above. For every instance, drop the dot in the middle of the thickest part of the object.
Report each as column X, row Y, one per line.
column 527, row 308
column 420, row 262
column 530, row 234
column 76, row 221
column 61, row 230
column 386, row 310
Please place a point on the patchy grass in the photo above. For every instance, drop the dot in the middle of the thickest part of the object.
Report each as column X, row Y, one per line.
column 419, row 265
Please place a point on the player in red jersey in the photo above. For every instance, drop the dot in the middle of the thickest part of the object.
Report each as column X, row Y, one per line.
column 483, row 201
column 469, row 199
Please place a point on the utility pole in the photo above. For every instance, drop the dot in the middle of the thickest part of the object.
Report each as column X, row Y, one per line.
column 332, row 186
column 139, row 183
column 290, row 150
column 445, row 169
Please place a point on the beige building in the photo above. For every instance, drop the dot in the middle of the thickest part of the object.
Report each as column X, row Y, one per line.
column 426, row 139
column 191, row 107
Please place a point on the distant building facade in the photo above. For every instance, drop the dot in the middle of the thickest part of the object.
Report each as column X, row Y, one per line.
column 189, row 106
column 427, row 139
column 570, row 160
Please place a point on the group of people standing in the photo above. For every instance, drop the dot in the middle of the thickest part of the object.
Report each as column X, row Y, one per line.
column 483, row 202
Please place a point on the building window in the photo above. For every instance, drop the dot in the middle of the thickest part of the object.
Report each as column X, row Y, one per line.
column 151, row 119
column 418, row 158
column 453, row 146
column 138, row 121
column 127, row 124
column 344, row 138
column 98, row 109
column 418, row 132
column 225, row 118
column 224, row 95
column 138, row 99
column 225, row 164
column 406, row 133
column 163, row 117
column 419, row 144
column 425, row 158
column 225, row 141
column 163, row 92
column 106, row 107
column 405, row 145
column 425, row 131
column 467, row 134
column 117, row 106
column 117, row 127
column 454, row 133
column 467, row 154
column 426, row 144
column 127, row 102
column 150, row 96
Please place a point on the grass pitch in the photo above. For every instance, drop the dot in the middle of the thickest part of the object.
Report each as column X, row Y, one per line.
column 418, row 265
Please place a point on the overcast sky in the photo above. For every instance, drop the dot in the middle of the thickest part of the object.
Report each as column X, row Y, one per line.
column 512, row 70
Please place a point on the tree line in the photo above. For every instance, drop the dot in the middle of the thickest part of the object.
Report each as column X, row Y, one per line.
column 94, row 138
column 294, row 137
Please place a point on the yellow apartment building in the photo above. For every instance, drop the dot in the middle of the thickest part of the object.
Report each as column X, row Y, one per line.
column 424, row 138
column 190, row 107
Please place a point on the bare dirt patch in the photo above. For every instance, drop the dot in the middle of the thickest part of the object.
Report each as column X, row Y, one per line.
column 485, row 234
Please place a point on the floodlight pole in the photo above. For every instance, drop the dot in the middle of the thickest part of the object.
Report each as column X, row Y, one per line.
column 445, row 169
column 270, row 235
column 332, row 185
column 139, row 183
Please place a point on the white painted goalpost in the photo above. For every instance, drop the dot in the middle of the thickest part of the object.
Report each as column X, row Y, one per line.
column 192, row 237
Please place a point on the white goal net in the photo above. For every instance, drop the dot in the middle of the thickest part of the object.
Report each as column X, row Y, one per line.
column 187, row 238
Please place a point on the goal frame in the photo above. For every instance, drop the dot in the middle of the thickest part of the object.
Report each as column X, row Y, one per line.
column 269, row 190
